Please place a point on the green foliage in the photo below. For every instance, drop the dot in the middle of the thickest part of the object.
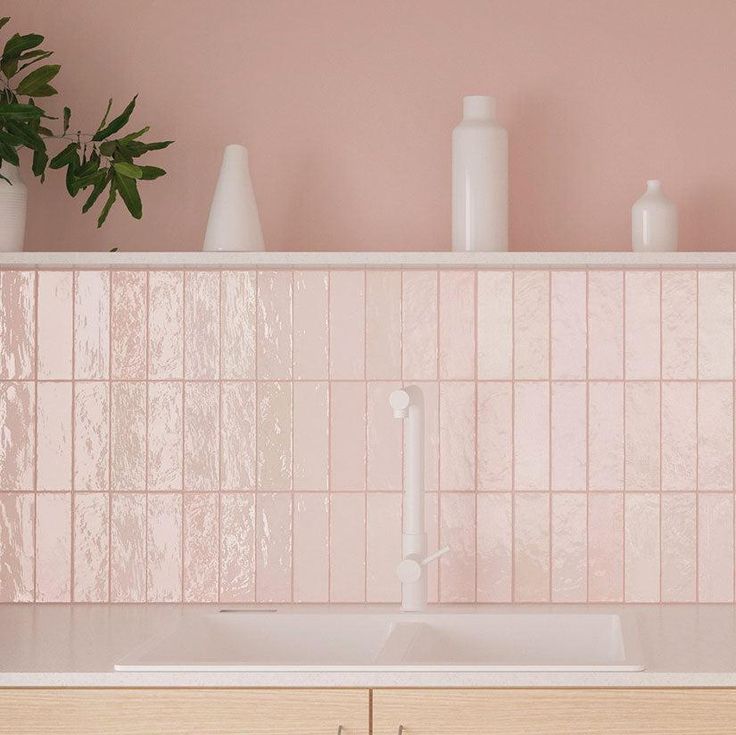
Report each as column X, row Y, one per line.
column 104, row 161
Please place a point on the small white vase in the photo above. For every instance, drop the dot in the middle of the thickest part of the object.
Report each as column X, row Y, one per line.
column 653, row 221
column 13, row 204
column 233, row 224
column 480, row 179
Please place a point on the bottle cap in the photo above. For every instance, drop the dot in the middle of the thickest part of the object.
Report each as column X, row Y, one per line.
column 479, row 107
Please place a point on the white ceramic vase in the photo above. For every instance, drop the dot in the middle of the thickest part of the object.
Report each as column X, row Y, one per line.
column 13, row 204
column 480, row 179
column 233, row 224
column 653, row 221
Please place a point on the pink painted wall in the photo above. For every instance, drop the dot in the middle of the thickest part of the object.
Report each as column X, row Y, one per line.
column 347, row 109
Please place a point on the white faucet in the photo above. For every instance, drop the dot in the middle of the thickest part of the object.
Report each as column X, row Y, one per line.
column 408, row 404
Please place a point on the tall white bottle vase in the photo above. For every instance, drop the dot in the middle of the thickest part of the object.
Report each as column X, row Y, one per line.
column 13, row 204
column 480, row 179
column 654, row 221
column 233, row 224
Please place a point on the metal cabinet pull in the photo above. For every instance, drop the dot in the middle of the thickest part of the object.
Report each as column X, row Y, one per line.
column 340, row 730
column 401, row 730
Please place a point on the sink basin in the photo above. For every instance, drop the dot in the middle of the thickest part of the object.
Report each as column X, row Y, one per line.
column 357, row 641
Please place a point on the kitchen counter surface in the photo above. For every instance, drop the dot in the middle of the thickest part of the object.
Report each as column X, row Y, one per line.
column 78, row 646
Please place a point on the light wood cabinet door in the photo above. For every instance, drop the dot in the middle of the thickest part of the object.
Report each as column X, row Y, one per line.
column 184, row 711
column 554, row 711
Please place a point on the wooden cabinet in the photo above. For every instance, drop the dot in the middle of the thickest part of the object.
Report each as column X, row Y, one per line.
column 554, row 711
column 184, row 711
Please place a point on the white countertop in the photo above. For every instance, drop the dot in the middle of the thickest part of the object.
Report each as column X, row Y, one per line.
column 78, row 646
column 372, row 259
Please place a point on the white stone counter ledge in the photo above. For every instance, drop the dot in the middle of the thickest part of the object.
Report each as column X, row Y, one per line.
column 404, row 259
column 43, row 645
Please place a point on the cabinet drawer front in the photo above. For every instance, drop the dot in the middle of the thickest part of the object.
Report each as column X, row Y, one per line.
column 555, row 712
column 184, row 711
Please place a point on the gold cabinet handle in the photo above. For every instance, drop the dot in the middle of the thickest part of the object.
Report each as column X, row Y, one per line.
column 401, row 730
column 340, row 730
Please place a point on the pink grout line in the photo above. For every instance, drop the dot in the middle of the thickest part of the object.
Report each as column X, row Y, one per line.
column 35, row 434
column 475, row 430
column 109, row 434
column 513, row 436
column 328, row 275
column 219, row 437
column 697, row 438
column 72, row 511
column 623, row 498
column 587, row 436
column 660, row 434
column 550, row 564
column 183, row 540
column 146, row 473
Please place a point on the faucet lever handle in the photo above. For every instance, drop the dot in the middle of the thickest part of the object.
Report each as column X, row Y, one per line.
column 437, row 554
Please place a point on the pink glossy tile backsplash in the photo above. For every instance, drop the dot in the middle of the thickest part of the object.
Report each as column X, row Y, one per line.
column 204, row 436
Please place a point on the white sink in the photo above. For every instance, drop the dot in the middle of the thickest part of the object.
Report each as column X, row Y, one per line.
column 357, row 641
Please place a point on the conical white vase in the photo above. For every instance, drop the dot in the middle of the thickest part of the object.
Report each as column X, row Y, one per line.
column 233, row 223
column 13, row 204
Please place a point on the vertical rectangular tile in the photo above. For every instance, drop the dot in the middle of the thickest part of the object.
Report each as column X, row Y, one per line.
column 457, row 436
column 569, row 547
column 128, row 547
column 165, row 436
column 431, row 393
column 495, row 325
column 165, row 325
column 419, row 325
column 605, row 436
column 53, row 547
column 643, row 301
column 347, row 325
column 347, row 436
column 238, row 436
column 531, row 547
column 642, row 549
column 679, row 325
column 128, row 436
column 17, row 325
column 91, row 325
column 347, row 547
column 679, row 534
column 384, row 439
column 311, row 547
column 531, row 325
column 17, row 408
column 494, row 541
column 128, row 329
column 274, row 436
column 55, row 325
column 715, row 325
column 569, row 443
column 311, row 327
column 568, row 325
column 237, row 547
column 383, row 547
column 494, row 437
column 605, row 547
column 715, row 437
column 531, row 436
column 17, row 511
column 642, row 436
column 91, row 437
column 432, row 524
column 605, row 325
column 715, row 547
column 200, row 531
column 457, row 325
column 311, row 435
column 202, row 325
column 679, row 436
column 91, row 547
column 163, row 547
column 274, row 325
column 273, row 547
column 201, row 427
column 238, row 325
column 54, row 444
column 383, row 325
column 457, row 530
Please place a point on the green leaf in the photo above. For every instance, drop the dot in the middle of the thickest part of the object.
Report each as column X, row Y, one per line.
column 4, row 20
column 19, row 112
column 152, row 172
column 40, row 160
column 8, row 152
column 13, row 50
column 108, row 205
column 24, row 135
column 158, row 146
column 67, row 117
column 65, row 157
column 35, row 57
column 137, row 134
column 99, row 187
column 38, row 80
column 115, row 124
column 129, row 192
column 104, row 117
column 129, row 170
